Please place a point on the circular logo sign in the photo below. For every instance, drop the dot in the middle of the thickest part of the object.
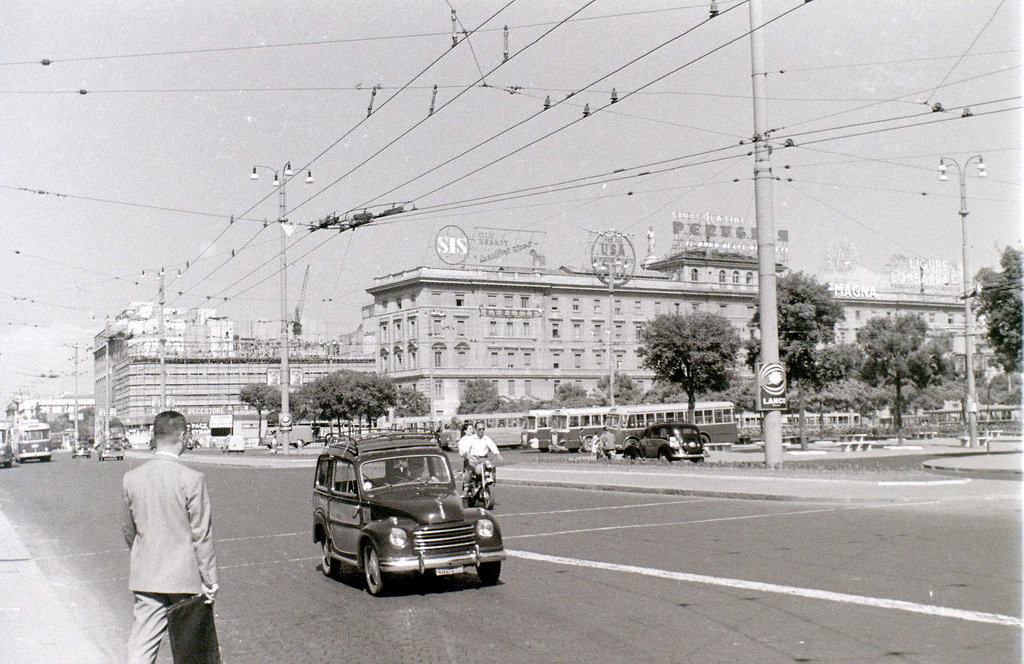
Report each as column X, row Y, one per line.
column 452, row 245
column 613, row 258
column 285, row 419
column 772, row 379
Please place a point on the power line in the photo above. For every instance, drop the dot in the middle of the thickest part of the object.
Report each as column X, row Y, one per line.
column 960, row 59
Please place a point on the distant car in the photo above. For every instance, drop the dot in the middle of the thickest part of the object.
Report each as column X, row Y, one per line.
column 235, row 444
column 668, row 440
column 388, row 505
column 81, row 448
column 112, row 449
column 6, row 453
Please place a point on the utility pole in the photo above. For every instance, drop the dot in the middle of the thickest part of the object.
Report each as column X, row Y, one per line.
column 766, row 283
column 163, row 343
column 74, row 420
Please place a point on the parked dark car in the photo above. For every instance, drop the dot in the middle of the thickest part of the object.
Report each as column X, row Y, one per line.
column 388, row 505
column 6, row 452
column 668, row 440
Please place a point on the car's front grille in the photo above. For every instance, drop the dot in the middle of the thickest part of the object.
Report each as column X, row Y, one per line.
column 444, row 540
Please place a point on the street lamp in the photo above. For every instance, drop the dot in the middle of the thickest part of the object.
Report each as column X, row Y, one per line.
column 285, row 419
column 971, row 401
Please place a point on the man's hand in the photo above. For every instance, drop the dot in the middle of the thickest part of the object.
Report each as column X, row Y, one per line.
column 210, row 592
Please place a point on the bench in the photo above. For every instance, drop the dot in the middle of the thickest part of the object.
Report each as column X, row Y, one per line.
column 717, row 447
column 965, row 441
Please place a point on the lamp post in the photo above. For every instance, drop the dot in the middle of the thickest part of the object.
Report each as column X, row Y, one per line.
column 971, row 401
column 285, row 419
column 613, row 259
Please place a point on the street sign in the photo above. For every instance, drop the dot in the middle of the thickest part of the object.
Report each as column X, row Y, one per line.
column 771, row 387
column 285, row 420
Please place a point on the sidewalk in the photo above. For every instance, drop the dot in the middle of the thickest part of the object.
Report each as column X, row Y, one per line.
column 35, row 627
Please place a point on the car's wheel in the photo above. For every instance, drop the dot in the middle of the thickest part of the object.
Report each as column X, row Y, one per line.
column 487, row 498
column 489, row 573
column 665, row 454
column 704, row 438
column 328, row 565
column 375, row 584
column 698, row 459
column 632, row 453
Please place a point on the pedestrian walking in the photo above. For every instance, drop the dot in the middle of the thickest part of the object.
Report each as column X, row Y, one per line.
column 166, row 521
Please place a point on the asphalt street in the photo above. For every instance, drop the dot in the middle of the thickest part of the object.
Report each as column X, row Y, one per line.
column 592, row 576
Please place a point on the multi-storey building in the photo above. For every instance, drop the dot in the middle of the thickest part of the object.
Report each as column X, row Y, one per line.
column 529, row 329
column 205, row 365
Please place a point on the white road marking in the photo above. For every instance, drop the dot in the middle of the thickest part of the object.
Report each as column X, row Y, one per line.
column 610, row 507
column 808, row 593
column 256, row 537
column 924, row 482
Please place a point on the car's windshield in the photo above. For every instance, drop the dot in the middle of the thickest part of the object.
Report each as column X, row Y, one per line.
column 408, row 469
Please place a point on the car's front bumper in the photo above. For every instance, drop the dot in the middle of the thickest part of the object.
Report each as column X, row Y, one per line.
column 421, row 564
column 34, row 454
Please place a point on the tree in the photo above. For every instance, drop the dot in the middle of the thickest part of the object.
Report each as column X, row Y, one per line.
column 626, row 390
column 807, row 319
column 410, row 402
column 1000, row 304
column 898, row 353
column 481, row 396
column 261, row 397
column 572, row 395
column 695, row 351
column 372, row 396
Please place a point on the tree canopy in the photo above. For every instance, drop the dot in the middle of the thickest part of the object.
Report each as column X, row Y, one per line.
column 626, row 390
column 1000, row 304
column 480, row 396
column 410, row 402
column 898, row 352
column 695, row 351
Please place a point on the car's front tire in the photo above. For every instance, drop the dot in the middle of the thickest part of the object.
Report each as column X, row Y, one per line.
column 375, row 579
column 489, row 573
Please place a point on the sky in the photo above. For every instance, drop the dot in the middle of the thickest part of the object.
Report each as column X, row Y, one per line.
column 150, row 167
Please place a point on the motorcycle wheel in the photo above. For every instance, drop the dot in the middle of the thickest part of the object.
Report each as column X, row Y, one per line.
column 487, row 498
column 488, row 573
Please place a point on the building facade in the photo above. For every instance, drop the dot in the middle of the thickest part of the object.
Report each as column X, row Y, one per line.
column 529, row 330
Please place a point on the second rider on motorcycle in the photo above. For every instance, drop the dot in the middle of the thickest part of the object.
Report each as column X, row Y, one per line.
column 476, row 449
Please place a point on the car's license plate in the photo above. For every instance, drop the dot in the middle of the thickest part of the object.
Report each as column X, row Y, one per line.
column 442, row 571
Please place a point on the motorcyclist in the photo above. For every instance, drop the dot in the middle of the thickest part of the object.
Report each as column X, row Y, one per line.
column 477, row 450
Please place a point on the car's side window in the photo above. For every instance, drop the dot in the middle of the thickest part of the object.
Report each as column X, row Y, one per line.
column 323, row 473
column 345, row 478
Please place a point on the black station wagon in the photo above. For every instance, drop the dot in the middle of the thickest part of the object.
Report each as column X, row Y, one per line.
column 669, row 441
column 388, row 505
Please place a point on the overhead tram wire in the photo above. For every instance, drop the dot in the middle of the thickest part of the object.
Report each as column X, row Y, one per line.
column 601, row 108
column 961, row 58
column 328, row 42
column 287, row 179
column 538, row 113
column 878, row 63
column 443, row 106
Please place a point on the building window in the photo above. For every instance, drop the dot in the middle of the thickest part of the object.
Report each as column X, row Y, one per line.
column 492, row 299
column 510, row 329
column 556, row 360
column 677, row 308
column 460, row 327
column 577, row 331
column 527, row 358
column 618, row 331
column 524, row 301
column 695, row 307
column 526, row 328
column 554, row 304
column 398, row 330
column 735, row 277
column 577, row 360
column 494, row 359
column 528, row 388
column 412, row 328
column 721, row 276
column 435, row 326
column 721, row 309
column 492, row 328
column 639, row 331
column 511, row 388
column 694, row 274
column 438, row 388
column 438, row 357
column 461, row 356
column 508, row 301
column 750, row 278
column 637, row 306
column 460, row 299
column 618, row 306
column 511, row 359
column 554, row 331
column 856, row 314
column 575, row 304
column 597, row 306
column 599, row 359
column 435, row 297
column 597, row 330
column 657, row 307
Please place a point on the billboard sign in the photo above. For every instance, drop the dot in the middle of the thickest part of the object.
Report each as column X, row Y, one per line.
column 498, row 247
column 720, row 233
column 771, row 386
column 452, row 245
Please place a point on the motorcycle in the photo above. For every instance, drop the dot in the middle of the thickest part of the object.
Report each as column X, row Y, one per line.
column 479, row 488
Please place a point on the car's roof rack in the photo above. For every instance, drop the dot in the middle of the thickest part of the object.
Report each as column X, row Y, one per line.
column 376, row 441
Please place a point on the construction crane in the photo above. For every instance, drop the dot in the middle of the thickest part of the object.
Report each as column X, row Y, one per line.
column 297, row 320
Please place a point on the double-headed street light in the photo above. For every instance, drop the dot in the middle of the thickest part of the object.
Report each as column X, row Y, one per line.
column 971, row 401
column 285, row 419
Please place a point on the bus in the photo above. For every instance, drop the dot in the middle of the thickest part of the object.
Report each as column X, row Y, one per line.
column 536, row 433
column 575, row 429
column 505, row 429
column 32, row 441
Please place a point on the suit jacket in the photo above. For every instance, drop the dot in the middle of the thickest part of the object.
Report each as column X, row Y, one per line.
column 167, row 524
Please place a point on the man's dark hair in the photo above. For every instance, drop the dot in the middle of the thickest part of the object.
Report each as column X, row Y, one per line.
column 168, row 424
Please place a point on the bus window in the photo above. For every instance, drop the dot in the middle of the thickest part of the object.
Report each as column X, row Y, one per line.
column 719, row 416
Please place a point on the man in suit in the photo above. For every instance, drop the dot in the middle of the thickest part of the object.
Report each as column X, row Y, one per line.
column 167, row 525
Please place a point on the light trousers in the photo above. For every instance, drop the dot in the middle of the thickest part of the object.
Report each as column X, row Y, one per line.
column 150, row 625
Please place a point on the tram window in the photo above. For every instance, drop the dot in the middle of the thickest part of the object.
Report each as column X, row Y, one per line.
column 719, row 417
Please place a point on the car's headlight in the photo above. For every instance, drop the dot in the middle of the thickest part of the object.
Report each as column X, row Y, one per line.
column 398, row 537
column 485, row 528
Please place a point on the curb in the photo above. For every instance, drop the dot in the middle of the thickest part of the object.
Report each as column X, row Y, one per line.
column 669, row 491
